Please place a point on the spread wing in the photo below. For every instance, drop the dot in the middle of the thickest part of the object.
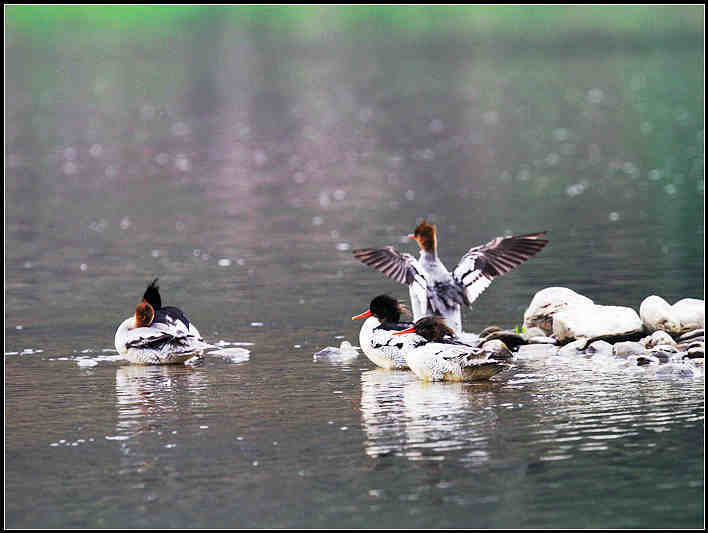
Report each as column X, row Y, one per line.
column 403, row 268
column 481, row 264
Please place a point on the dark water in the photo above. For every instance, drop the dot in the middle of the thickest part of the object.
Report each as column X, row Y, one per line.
column 241, row 166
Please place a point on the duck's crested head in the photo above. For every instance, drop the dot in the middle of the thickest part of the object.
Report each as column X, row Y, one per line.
column 424, row 235
column 431, row 328
column 144, row 314
column 152, row 295
column 386, row 308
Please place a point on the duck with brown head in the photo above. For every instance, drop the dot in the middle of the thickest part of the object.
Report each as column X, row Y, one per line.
column 442, row 357
column 434, row 291
column 156, row 334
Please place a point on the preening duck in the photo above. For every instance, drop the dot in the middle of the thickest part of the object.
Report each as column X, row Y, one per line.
column 434, row 291
column 157, row 335
column 383, row 318
column 443, row 357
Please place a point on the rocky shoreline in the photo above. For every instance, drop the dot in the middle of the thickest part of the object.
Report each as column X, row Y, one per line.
column 559, row 321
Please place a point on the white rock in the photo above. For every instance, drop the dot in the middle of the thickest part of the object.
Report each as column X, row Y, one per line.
column 659, row 337
column 596, row 321
column 572, row 349
column 599, row 347
column 691, row 313
column 549, row 301
column 536, row 351
column 657, row 314
column 627, row 348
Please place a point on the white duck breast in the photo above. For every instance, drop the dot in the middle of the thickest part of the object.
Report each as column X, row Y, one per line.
column 382, row 347
column 437, row 361
column 160, row 343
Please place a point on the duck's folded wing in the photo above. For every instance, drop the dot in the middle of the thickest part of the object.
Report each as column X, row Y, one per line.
column 403, row 268
column 481, row 264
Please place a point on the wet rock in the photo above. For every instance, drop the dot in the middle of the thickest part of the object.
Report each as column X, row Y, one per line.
column 657, row 338
column 691, row 314
column 541, row 339
column 658, row 315
column 589, row 321
column 549, row 301
column 533, row 332
column 599, row 347
column 626, row 349
column 644, row 360
column 692, row 334
column 496, row 349
column 508, row 337
column 536, row 351
column 489, row 330
column 697, row 352
column 573, row 348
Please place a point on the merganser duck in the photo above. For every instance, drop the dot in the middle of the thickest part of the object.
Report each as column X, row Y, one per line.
column 157, row 335
column 443, row 357
column 434, row 291
column 375, row 337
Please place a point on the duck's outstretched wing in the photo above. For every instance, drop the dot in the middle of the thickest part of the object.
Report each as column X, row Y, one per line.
column 403, row 268
column 481, row 264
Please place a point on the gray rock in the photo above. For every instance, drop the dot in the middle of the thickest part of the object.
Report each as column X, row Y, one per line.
column 489, row 330
column 496, row 349
column 573, row 348
column 627, row 348
column 541, row 339
column 534, row 332
column 599, row 347
column 697, row 352
column 658, row 315
column 605, row 321
column 692, row 334
column 657, row 338
column 536, row 351
column 508, row 337
column 549, row 301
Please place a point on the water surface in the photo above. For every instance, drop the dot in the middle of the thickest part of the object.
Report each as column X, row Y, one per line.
column 241, row 166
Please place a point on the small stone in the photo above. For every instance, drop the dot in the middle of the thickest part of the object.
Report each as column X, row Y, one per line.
column 643, row 360
column 508, row 337
column 696, row 353
column 599, row 347
column 573, row 348
column 692, row 334
column 627, row 348
column 659, row 337
column 541, row 339
column 534, row 332
column 489, row 330
column 536, row 351
column 496, row 349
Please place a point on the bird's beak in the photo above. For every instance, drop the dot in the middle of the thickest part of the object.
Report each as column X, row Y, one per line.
column 411, row 236
column 409, row 330
column 363, row 315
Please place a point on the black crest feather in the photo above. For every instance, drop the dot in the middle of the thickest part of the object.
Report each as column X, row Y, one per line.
column 152, row 295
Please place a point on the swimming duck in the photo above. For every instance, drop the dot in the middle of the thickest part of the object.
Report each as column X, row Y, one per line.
column 434, row 291
column 443, row 357
column 376, row 339
column 157, row 335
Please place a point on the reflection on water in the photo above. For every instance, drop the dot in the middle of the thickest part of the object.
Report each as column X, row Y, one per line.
column 147, row 395
column 422, row 421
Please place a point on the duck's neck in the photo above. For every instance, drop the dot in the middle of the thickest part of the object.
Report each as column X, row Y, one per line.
column 429, row 255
